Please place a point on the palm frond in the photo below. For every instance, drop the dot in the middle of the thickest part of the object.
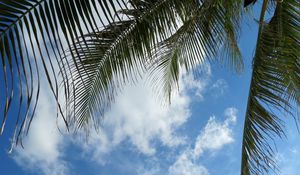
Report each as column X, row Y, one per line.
column 118, row 53
column 211, row 28
column 32, row 32
column 274, row 90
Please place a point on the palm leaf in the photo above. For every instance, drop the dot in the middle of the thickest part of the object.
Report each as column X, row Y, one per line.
column 119, row 53
column 211, row 28
column 274, row 90
column 32, row 32
column 118, row 46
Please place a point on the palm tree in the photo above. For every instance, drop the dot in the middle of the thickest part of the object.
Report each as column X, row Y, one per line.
column 92, row 48
column 275, row 85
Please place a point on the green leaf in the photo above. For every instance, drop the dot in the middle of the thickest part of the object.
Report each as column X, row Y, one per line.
column 274, row 90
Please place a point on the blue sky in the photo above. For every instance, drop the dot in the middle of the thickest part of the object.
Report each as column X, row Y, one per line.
column 199, row 133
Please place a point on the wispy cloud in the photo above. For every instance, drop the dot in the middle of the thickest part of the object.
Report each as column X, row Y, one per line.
column 219, row 88
column 215, row 134
column 198, row 86
column 288, row 159
column 139, row 118
column 185, row 165
column 43, row 147
column 213, row 137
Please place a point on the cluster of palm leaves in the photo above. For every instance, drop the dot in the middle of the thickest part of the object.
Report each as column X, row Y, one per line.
column 87, row 50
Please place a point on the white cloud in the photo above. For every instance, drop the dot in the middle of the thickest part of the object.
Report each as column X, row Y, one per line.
column 140, row 118
column 184, row 165
column 44, row 144
column 136, row 117
column 219, row 88
column 216, row 134
column 294, row 150
column 213, row 137
column 288, row 162
column 287, row 157
column 198, row 86
column 231, row 114
column 144, row 171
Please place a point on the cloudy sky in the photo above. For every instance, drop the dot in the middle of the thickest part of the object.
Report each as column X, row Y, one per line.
column 199, row 133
